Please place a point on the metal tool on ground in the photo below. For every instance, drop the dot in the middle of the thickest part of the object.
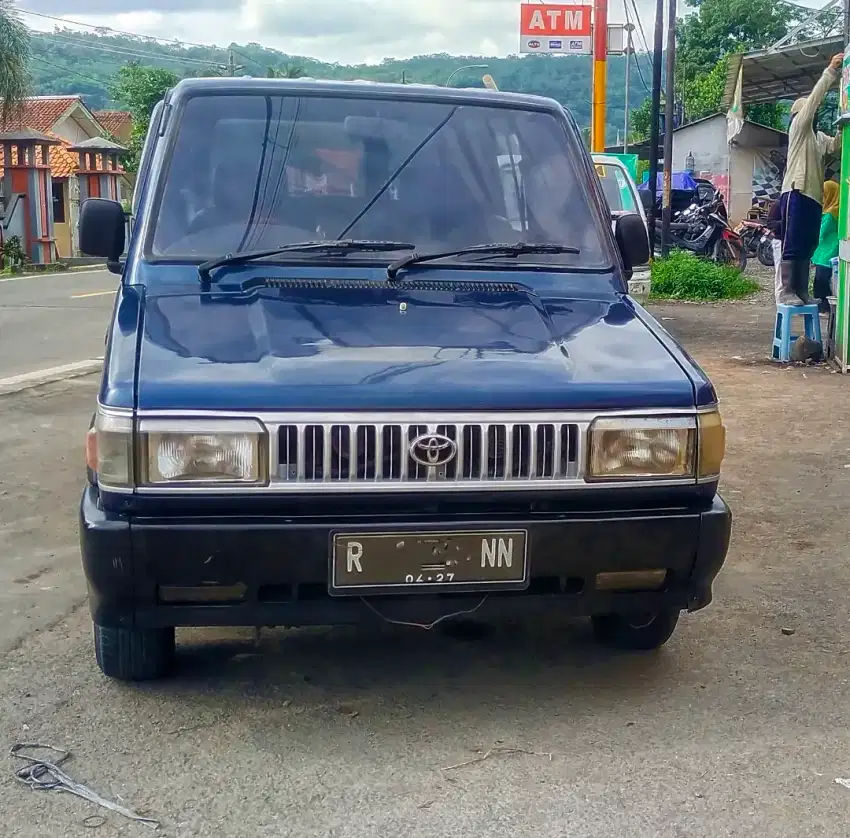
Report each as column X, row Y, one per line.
column 42, row 775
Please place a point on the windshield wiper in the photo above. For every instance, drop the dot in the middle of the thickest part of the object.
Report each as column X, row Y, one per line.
column 495, row 249
column 341, row 246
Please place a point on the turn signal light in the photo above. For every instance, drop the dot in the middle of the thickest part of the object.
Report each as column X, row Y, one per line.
column 91, row 450
column 712, row 444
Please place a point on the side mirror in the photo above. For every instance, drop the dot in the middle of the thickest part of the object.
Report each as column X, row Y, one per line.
column 630, row 233
column 102, row 230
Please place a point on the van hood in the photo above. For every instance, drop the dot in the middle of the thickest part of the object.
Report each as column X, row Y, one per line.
column 437, row 346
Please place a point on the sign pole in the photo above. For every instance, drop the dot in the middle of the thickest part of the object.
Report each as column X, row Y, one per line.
column 842, row 295
column 600, row 67
column 629, row 28
column 668, row 129
column 655, row 113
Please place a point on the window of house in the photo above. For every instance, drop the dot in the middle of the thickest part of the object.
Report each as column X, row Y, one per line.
column 58, row 202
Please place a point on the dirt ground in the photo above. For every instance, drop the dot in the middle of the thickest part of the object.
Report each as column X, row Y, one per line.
column 738, row 727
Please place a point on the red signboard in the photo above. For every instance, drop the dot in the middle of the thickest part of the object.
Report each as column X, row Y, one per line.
column 548, row 20
column 555, row 28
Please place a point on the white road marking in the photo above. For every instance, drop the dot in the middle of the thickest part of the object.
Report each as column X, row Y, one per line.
column 93, row 294
column 24, row 381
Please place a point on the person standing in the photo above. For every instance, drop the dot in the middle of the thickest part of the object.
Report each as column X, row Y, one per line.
column 827, row 246
column 802, row 189
column 774, row 224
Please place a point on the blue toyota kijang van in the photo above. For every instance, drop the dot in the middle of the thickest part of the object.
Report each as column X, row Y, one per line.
column 373, row 358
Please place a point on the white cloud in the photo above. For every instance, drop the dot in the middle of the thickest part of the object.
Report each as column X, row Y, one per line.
column 345, row 31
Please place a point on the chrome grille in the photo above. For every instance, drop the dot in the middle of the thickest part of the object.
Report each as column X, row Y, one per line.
column 486, row 453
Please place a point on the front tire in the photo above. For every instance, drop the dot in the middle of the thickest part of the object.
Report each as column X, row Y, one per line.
column 726, row 253
column 134, row 654
column 765, row 253
column 636, row 633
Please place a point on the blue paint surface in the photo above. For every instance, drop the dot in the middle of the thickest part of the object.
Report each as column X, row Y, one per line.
column 557, row 339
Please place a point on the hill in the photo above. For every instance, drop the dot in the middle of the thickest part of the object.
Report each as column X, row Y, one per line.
column 70, row 61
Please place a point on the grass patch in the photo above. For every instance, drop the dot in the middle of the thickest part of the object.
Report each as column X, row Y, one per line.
column 682, row 276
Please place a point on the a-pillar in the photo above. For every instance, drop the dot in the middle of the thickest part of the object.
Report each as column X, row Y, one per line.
column 26, row 176
column 100, row 168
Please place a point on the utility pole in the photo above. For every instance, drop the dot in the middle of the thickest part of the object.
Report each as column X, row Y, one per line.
column 629, row 29
column 232, row 67
column 655, row 114
column 668, row 128
column 600, row 67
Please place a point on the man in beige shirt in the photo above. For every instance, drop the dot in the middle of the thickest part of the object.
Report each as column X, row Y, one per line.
column 802, row 190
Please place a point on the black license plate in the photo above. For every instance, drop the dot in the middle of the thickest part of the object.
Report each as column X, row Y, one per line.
column 406, row 562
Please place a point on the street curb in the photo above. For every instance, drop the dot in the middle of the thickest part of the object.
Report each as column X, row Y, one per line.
column 74, row 268
column 28, row 380
column 77, row 269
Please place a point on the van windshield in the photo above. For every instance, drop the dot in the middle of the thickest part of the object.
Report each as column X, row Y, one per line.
column 254, row 171
column 618, row 192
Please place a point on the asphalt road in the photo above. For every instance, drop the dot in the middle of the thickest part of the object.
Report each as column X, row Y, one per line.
column 49, row 320
column 737, row 728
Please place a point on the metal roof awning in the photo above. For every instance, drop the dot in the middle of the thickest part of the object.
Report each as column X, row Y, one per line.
column 774, row 74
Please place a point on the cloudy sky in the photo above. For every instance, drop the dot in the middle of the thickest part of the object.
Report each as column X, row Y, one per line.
column 346, row 31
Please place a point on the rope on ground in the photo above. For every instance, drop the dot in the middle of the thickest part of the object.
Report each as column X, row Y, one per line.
column 41, row 775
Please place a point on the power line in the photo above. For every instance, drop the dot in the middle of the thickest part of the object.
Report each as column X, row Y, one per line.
column 114, row 31
column 96, row 28
column 115, row 50
column 647, row 51
column 637, row 63
column 98, row 82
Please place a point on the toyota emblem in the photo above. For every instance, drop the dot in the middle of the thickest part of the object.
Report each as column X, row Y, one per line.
column 433, row 450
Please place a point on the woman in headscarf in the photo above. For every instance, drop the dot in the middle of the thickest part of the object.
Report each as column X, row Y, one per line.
column 802, row 189
column 827, row 246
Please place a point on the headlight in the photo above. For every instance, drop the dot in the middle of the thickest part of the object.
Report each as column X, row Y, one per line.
column 656, row 448
column 221, row 452
column 642, row 448
column 109, row 450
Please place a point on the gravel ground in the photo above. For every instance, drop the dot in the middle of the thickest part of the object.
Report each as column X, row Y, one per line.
column 736, row 728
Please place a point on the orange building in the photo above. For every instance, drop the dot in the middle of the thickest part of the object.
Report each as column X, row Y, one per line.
column 67, row 121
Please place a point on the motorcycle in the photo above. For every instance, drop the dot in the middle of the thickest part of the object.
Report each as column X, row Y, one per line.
column 758, row 240
column 704, row 230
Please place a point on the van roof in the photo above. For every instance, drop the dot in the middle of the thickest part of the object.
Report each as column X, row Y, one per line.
column 360, row 87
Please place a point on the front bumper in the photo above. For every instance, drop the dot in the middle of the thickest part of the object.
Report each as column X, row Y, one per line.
column 282, row 562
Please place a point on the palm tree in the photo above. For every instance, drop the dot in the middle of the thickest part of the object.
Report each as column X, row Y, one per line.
column 290, row 71
column 14, row 56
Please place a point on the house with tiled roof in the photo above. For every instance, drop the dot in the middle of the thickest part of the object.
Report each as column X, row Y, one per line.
column 70, row 122
column 118, row 123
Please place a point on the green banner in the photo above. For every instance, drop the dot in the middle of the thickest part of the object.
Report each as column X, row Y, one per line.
column 630, row 161
column 842, row 327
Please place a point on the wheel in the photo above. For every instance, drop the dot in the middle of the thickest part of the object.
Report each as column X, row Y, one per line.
column 134, row 654
column 750, row 242
column 765, row 253
column 727, row 253
column 650, row 631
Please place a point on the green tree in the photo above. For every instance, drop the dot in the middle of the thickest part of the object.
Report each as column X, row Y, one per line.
column 290, row 71
column 704, row 93
column 139, row 88
column 14, row 58
column 639, row 121
column 718, row 28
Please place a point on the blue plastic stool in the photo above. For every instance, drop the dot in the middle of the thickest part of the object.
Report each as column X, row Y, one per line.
column 782, row 337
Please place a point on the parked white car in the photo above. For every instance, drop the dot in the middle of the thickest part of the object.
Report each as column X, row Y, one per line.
column 622, row 195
